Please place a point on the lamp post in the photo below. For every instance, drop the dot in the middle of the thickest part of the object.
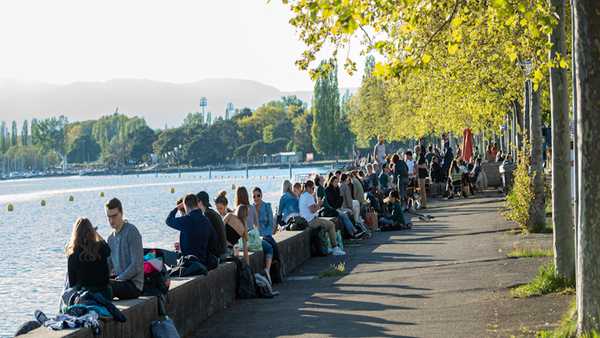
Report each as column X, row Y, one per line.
column 526, row 66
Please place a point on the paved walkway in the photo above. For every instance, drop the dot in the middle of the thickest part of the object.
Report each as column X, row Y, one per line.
column 445, row 278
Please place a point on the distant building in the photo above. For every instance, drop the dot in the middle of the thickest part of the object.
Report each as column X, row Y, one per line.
column 286, row 157
column 229, row 111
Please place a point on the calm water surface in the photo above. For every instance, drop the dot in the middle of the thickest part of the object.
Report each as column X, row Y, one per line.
column 33, row 261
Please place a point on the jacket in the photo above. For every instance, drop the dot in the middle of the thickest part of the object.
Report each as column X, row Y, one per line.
column 346, row 196
column 197, row 237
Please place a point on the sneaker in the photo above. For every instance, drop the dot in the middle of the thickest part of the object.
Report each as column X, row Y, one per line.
column 330, row 251
column 359, row 234
column 338, row 252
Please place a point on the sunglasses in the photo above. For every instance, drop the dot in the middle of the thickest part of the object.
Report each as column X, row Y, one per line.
column 257, row 196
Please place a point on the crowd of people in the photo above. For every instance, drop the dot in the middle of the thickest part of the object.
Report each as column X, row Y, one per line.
column 381, row 195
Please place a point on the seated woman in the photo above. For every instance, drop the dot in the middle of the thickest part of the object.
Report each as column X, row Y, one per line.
column 221, row 204
column 264, row 214
column 288, row 204
column 88, row 254
column 241, row 201
column 393, row 217
column 334, row 201
column 235, row 224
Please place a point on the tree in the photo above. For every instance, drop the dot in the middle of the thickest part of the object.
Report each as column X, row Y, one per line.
column 25, row 133
column 302, row 140
column 537, row 209
column 169, row 139
column 326, row 112
column 50, row 134
column 562, row 212
column 84, row 149
column 587, row 81
column 13, row 134
column 4, row 142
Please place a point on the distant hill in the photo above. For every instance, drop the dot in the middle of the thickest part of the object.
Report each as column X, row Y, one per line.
column 159, row 103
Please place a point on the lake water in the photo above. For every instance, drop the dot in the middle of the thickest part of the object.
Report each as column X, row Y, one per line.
column 33, row 261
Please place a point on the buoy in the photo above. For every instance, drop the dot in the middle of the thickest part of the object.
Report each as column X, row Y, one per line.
column 172, row 190
column 10, row 208
column 102, row 194
column 71, row 198
column 43, row 203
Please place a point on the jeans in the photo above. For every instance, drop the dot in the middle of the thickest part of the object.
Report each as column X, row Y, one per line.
column 327, row 225
column 402, row 187
column 124, row 289
column 346, row 222
column 386, row 221
column 269, row 247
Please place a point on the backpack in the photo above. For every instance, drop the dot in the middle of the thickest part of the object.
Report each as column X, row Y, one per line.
column 263, row 287
column 188, row 266
column 297, row 223
column 245, row 283
column 319, row 242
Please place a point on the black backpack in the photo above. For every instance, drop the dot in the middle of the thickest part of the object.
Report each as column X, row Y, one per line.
column 318, row 242
column 246, row 285
column 297, row 223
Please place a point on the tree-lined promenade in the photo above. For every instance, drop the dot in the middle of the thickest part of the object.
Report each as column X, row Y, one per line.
column 452, row 64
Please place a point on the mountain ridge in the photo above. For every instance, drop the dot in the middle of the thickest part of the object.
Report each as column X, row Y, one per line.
column 159, row 102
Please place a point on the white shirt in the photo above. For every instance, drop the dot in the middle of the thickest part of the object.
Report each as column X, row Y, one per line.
column 306, row 201
column 380, row 152
column 411, row 167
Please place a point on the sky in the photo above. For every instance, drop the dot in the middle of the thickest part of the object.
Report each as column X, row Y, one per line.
column 64, row 41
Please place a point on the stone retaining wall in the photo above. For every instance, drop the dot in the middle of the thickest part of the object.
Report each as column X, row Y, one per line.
column 191, row 300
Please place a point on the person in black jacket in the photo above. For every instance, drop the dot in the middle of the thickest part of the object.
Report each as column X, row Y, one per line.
column 215, row 220
column 197, row 236
column 334, row 200
column 88, row 254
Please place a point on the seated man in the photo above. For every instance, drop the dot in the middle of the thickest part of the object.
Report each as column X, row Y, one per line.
column 197, row 237
column 127, row 254
column 216, row 221
column 309, row 211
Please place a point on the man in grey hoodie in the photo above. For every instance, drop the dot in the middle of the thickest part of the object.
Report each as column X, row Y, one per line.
column 127, row 254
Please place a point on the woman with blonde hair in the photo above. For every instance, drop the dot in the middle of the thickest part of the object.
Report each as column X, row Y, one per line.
column 88, row 254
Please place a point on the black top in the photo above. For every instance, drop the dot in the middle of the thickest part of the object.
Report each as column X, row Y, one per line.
column 422, row 171
column 197, row 236
column 232, row 236
column 93, row 274
column 334, row 197
column 217, row 223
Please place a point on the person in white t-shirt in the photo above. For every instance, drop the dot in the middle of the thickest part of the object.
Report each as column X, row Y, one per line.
column 309, row 211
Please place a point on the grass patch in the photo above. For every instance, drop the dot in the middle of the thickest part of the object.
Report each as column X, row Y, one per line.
column 567, row 327
column 530, row 252
column 546, row 281
column 335, row 270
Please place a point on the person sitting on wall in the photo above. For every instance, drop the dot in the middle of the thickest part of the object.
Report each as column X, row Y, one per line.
column 288, row 204
column 127, row 254
column 197, row 237
column 309, row 208
column 393, row 218
column 88, row 256
column 216, row 221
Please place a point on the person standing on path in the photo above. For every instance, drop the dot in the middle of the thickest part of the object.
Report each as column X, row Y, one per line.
column 422, row 176
column 379, row 151
column 127, row 254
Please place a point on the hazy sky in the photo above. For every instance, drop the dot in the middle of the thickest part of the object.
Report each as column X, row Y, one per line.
column 61, row 41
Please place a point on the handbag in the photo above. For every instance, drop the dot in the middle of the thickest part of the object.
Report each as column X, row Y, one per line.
column 254, row 241
column 372, row 219
column 164, row 329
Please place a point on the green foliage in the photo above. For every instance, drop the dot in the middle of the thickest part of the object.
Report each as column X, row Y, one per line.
column 529, row 252
column 335, row 270
column 546, row 281
column 521, row 196
column 326, row 114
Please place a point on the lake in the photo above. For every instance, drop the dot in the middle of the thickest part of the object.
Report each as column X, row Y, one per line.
column 34, row 263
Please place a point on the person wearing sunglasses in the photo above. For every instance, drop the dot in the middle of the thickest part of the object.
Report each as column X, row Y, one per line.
column 265, row 226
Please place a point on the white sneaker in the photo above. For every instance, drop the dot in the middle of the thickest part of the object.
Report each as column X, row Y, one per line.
column 338, row 252
column 329, row 251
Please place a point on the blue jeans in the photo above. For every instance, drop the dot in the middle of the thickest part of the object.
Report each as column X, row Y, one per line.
column 346, row 222
column 267, row 247
column 402, row 187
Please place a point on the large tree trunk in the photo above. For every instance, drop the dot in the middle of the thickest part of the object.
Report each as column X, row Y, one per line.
column 527, row 109
column 587, row 81
column 562, row 211
column 537, row 210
